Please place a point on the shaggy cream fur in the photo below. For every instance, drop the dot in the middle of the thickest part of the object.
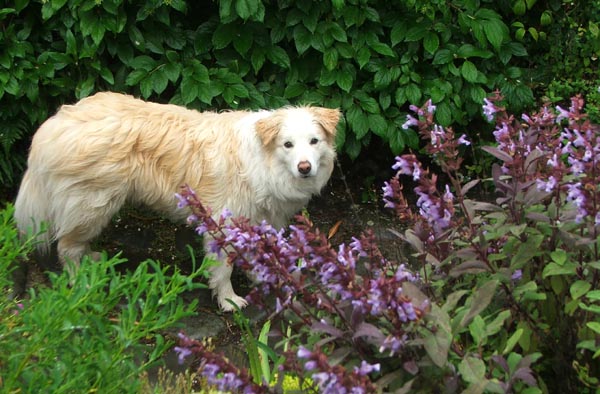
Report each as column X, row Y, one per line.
column 92, row 157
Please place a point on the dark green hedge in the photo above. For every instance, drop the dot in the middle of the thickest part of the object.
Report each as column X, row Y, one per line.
column 371, row 58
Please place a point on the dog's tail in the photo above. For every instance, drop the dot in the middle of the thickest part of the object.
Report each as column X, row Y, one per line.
column 32, row 211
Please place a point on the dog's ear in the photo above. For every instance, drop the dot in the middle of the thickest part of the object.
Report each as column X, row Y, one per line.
column 268, row 128
column 327, row 119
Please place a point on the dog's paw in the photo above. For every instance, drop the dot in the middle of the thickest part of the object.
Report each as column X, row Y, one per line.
column 225, row 302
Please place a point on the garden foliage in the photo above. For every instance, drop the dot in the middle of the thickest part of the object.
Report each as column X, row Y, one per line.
column 96, row 332
column 369, row 58
column 502, row 296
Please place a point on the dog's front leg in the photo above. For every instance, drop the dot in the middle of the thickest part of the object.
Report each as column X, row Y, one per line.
column 220, row 283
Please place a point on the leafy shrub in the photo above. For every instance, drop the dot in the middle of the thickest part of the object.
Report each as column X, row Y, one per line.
column 98, row 332
column 565, row 38
column 505, row 298
column 369, row 58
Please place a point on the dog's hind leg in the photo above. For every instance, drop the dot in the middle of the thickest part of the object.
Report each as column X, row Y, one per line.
column 77, row 231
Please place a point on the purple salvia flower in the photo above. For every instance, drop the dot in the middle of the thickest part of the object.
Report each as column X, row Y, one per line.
column 517, row 275
column 576, row 166
column 410, row 121
column 181, row 201
column 366, row 368
column 402, row 166
column 489, row 109
column 463, row 140
column 430, row 107
column 303, row 352
column 182, row 353
column 562, row 114
column 547, row 186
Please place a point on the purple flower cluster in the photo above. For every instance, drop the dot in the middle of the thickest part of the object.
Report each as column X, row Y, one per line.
column 305, row 276
column 567, row 151
column 435, row 209
column 336, row 379
column 216, row 369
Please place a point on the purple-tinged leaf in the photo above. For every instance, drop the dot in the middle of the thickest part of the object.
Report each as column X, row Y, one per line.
column 412, row 238
column 502, row 363
column 368, row 330
column 538, row 217
column 411, row 367
column 469, row 267
column 525, row 375
column 505, row 157
column 327, row 328
column 468, row 186
column 479, row 301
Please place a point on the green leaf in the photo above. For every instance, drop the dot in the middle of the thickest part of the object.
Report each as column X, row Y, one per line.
column 495, row 31
column 443, row 113
column 159, row 81
column 246, row 8
column 398, row 33
column 497, row 324
column 71, row 43
column 467, row 50
column 189, row 89
column 258, row 60
column 330, row 58
column 378, row 125
column 594, row 326
column 172, row 71
column 443, row 56
column 135, row 77
column 469, row 71
column 396, row 140
column 417, row 33
column 302, row 38
column 552, row 269
column 363, row 56
column 294, row 90
column 84, row 88
column 559, row 256
column 369, row 104
column 382, row 49
column 352, row 147
column 337, row 32
column 472, row 369
column 512, row 341
column 358, row 121
column 579, row 288
column 413, row 93
column 344, row 80
column 477, row 330
column 431, row 42
column 279, row 57
column 519, row 7
column 143, row 62
column 223, row 35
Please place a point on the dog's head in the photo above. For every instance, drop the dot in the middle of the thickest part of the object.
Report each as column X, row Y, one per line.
column 301, row 139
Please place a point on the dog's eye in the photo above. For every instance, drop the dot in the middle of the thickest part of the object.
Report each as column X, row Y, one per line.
column 314, row 141
column 288, row 144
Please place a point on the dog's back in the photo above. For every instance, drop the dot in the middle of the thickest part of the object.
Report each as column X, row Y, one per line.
column 95, row 155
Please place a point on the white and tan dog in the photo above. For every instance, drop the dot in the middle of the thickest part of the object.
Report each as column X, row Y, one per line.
column 92, row 157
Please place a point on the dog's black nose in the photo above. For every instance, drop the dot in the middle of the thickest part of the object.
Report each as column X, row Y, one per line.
column 304, row 167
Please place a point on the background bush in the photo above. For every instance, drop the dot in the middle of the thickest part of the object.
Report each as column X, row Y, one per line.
column 370, row 58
